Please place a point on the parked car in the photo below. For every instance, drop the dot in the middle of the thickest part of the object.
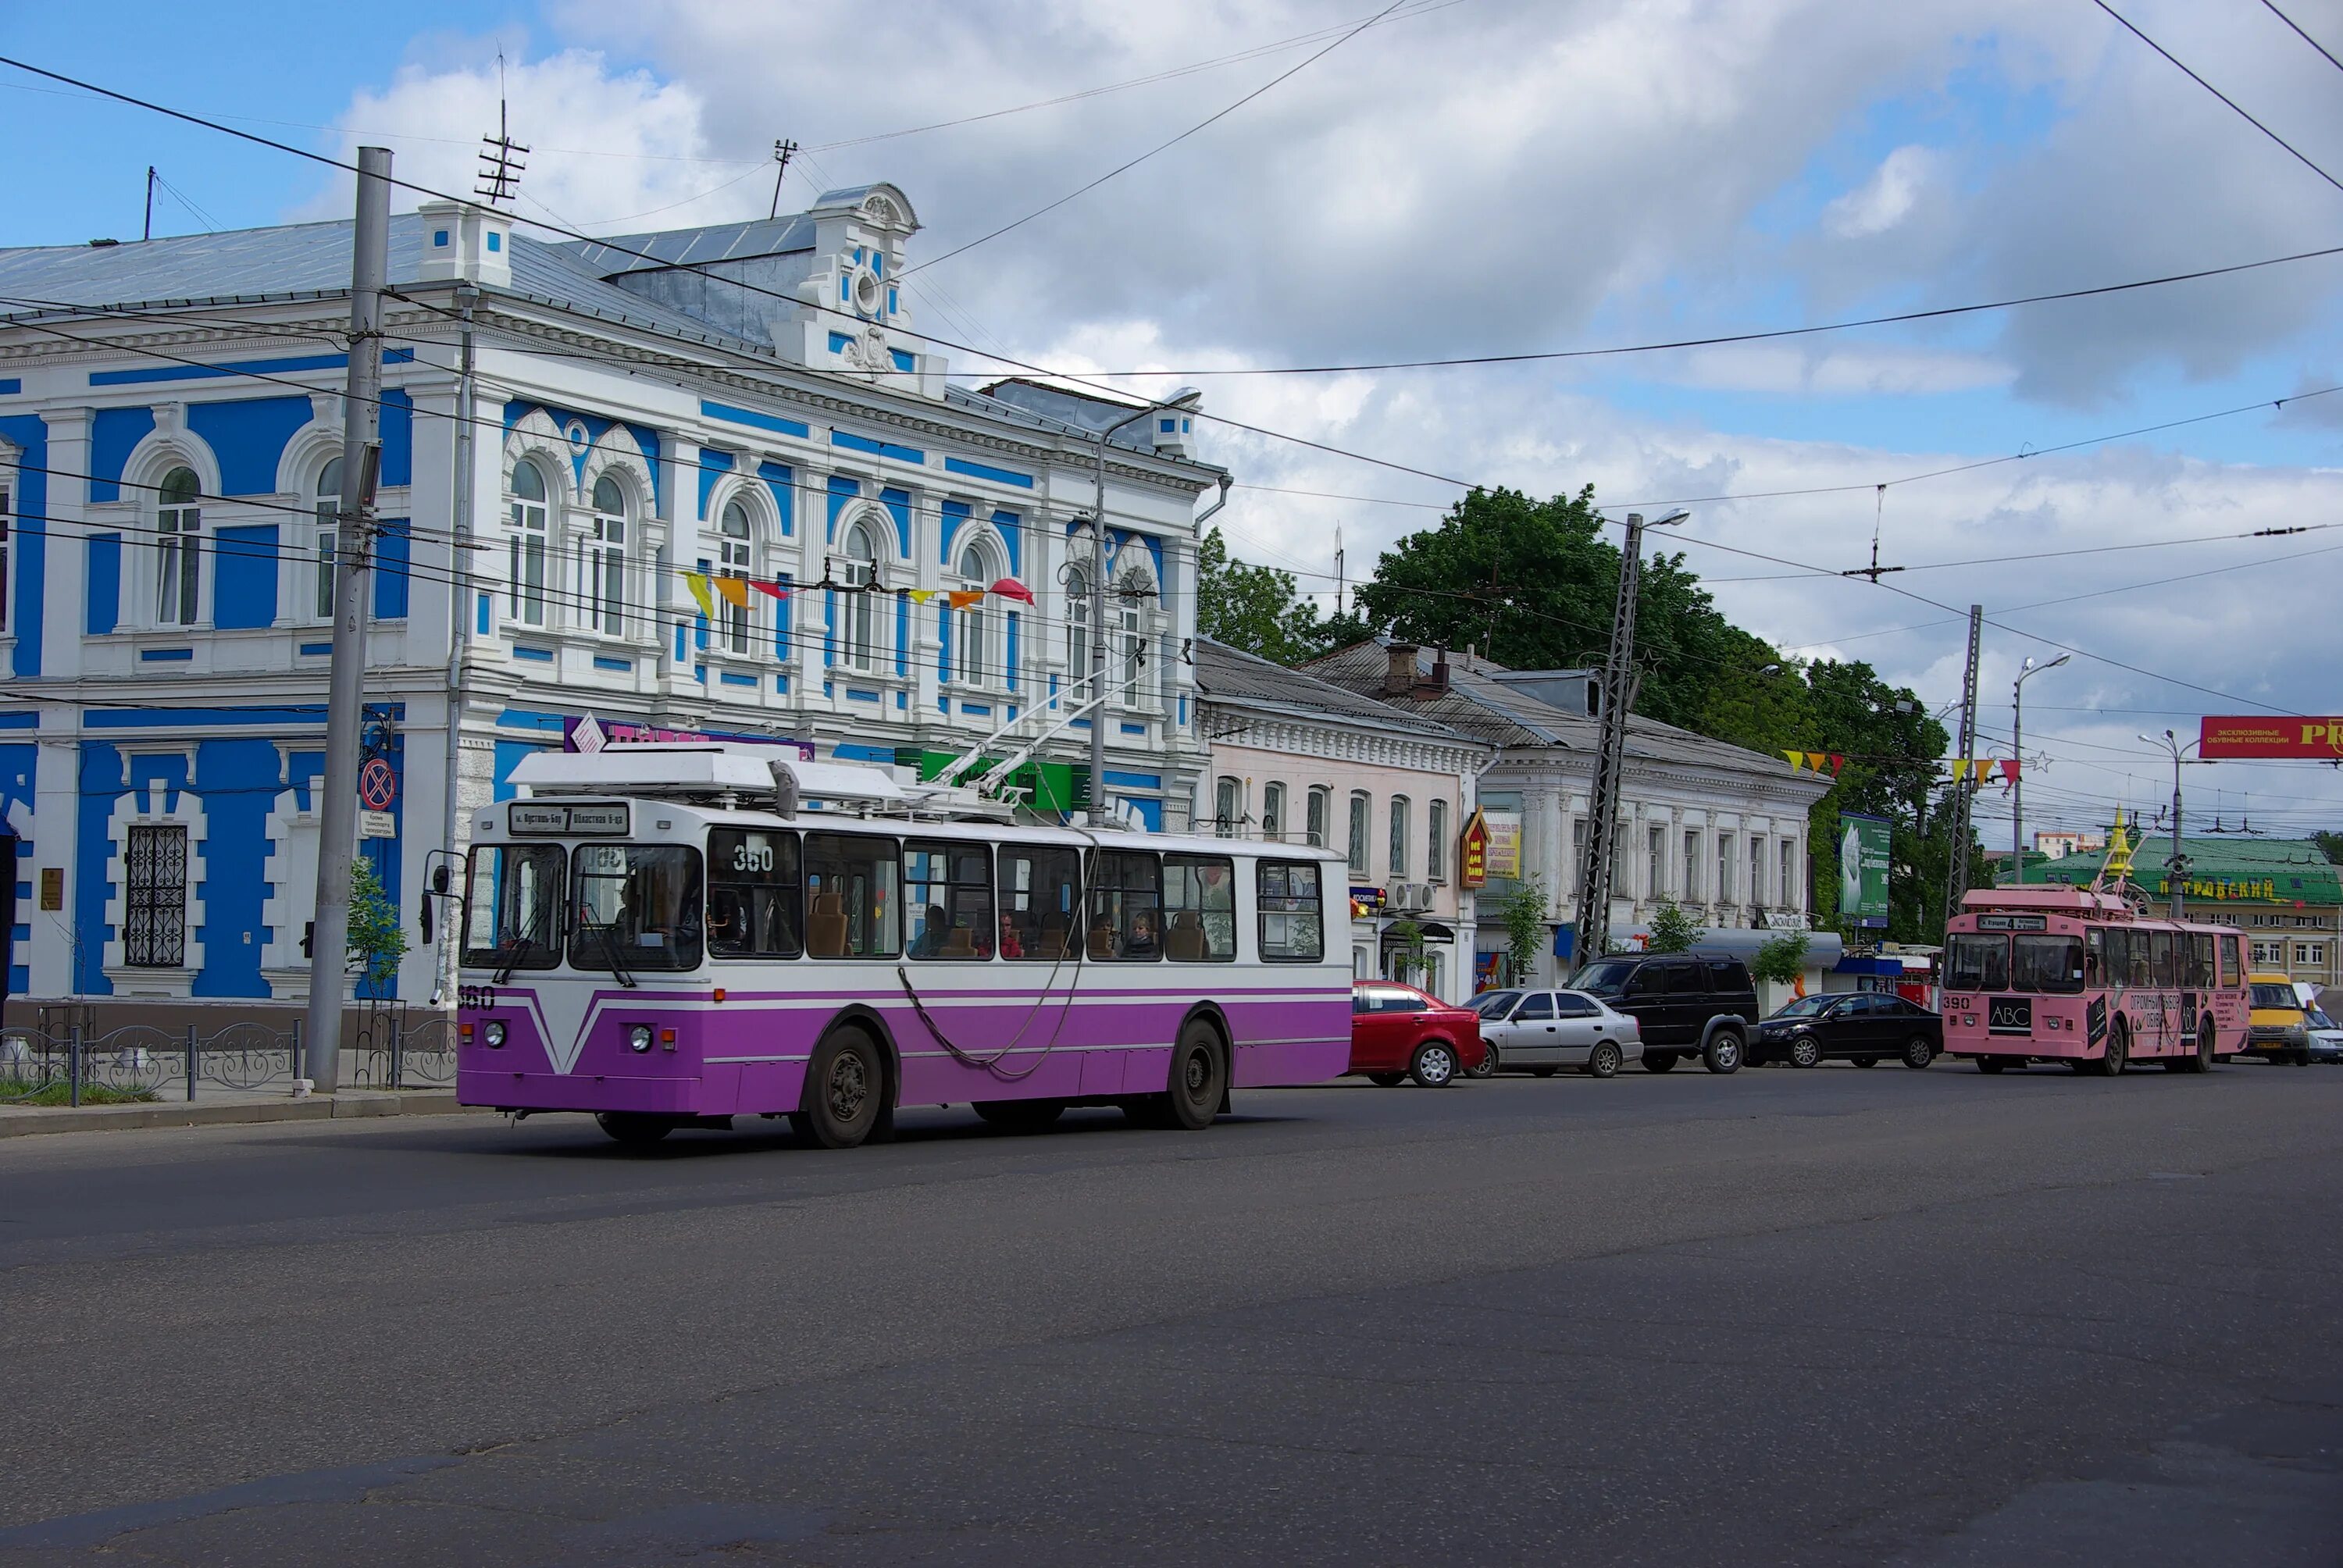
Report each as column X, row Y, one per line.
column 1397, row 1031
column 1687, row 1004
column 1544, row 1031
column 2326, row 1035
column 1862, row 1027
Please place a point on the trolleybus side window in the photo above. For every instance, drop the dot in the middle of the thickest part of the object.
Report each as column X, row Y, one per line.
column 1292, row 917
column 512, row 907
column 2051, row 964
column 1041, row 900
column 1126, row 906
column 2095, row 953
column 2200, row 958
column 852, row 883
column 754, row 893
column 947, row 899
column 635, row 907
column 2233, row 972
column 1200, row 903
column 1978, row 963
column 2166, row 970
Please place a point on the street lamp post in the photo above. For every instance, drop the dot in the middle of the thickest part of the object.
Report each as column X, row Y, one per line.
column 2176, row 865
column 2017, row 750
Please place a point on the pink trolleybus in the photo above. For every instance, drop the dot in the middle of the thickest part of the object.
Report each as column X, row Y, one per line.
column 675, row 936
column 2080, row 975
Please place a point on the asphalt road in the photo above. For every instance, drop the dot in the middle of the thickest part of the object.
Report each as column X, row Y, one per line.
column 1824, row 1316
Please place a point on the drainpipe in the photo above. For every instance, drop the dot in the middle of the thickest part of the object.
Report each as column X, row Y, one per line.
column 459, row 608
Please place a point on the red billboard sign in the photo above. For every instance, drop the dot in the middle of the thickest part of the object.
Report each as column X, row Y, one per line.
column 2274, row 736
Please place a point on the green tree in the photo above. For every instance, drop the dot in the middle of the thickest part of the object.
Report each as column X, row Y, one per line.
column 1409, row 960
column 2330, row 844
column 1781, row 959
column 1673, row 930
column 1523, row 910
column 1256, row 608
column 378, row 942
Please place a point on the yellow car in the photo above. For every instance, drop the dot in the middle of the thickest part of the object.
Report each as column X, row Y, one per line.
column 2278, row 1027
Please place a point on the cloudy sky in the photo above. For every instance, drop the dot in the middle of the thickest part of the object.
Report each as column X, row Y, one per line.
column 1471, row 178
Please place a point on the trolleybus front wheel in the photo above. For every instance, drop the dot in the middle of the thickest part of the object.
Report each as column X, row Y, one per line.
column 2119, row 1052
column 845, row 1090
column 634, row 1129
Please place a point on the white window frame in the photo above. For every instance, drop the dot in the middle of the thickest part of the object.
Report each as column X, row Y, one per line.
column 980, row 635
column 1272, row 810
column 1361, row 824
column 1655, row 861
column 7, row 518
column 736, row 557
column 179, row 555
column 529, row 528
column 1317, row 822
column 327, row 534
column 1693, row 848
column 1403, row 826
column 1435, row 842
column 858, row 639
column 602, row 587
column 1228, row 806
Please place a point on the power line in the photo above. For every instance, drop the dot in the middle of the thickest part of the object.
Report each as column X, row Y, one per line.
column 2216, row 92
column 2305, row 37
column 1159, row 147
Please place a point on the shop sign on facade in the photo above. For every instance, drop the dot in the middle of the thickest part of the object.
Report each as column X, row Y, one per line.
column 1472, row 853
column 1505, row 846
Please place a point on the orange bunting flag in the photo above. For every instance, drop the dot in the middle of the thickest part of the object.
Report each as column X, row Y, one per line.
column 963, row 598
column 697, row 584
column 734, row 589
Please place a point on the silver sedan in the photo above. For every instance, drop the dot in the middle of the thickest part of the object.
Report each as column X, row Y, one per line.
column 1543, row 1031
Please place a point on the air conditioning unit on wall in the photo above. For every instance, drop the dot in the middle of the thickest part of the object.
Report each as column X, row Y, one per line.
column 1408, row 897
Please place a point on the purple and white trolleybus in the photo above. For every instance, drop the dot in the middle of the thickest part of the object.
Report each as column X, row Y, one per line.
column 668, row 937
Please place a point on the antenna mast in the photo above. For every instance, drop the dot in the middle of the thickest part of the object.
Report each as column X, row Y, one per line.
column 500, row 169
column 782, row 152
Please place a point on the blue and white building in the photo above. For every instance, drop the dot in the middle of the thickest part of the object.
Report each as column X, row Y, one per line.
column 750, row 400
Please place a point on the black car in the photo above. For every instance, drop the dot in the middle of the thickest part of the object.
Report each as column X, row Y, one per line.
column 1862, row 1027
column 1687, row 1004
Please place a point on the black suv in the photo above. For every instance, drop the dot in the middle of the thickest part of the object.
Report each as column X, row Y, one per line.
column 1687, row 1003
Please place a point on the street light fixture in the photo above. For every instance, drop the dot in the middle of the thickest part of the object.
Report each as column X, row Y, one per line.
column 2175, row 864
column 2017, row 748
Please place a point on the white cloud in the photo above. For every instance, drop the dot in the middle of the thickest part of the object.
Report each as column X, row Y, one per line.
column 1884, row 200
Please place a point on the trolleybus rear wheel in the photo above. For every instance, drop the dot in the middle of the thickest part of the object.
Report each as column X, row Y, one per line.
column 845, row 1088
column 635, row 1129
column 1200, row 1080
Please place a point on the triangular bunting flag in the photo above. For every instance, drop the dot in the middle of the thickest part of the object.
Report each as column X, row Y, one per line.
column 734, row 589
column 1009, row 587
column 963, row 598
column 697, row 584
column 1837, row 763
column 2009, row 769
column 1797, row 760
column 774, row 588
column 922, row 595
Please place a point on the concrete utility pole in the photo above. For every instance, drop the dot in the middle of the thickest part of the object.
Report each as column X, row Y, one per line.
column 2175, row 864
column 1097, row 597
column 2018, row 750
column 352, row 537
column 1956, row 877
column 1619, row 683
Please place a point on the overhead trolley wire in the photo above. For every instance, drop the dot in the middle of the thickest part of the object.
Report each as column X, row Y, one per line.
column 2299, row 156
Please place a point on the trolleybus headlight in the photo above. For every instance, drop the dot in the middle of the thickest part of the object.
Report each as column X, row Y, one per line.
column 639, row 1036
column 493, row 1032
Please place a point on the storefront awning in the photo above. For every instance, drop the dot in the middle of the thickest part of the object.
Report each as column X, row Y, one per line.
column 1432, row 931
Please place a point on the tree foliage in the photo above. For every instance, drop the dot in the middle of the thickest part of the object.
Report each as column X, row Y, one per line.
column 1673, row 930
column 1523, row 910
column 2330, row 844
column 378, row 942
column 1260, row 610
column 1781, row 959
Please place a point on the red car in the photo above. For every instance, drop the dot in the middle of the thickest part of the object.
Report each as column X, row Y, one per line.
column 1397, row 1031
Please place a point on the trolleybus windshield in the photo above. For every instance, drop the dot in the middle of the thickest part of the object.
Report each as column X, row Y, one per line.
column 637, row 906
column 512, row 907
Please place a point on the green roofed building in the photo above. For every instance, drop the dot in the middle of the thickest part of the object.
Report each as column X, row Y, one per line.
column 2285, row 894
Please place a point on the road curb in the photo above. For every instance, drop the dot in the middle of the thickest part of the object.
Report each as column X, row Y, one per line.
column 21, row 1120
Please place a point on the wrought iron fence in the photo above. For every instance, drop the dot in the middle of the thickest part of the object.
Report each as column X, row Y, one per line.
column 391, row 1050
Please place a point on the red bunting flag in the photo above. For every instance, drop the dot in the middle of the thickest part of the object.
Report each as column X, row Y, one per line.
column 1009, row 587
column 1836, row 762
column 774, row 588
column 2009, row 769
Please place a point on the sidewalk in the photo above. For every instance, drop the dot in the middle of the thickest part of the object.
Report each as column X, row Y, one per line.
column 225, row 1109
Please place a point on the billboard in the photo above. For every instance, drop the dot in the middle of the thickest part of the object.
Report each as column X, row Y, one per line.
column 1504, row 861
column 1862, row 845
column 2275, row 734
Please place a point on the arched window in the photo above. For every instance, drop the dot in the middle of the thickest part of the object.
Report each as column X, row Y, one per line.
column 861, row 573
column 734, row 562
column 179, row 549
column 1228, row 806
column 1320, row 803
column 1399, row 833
column 1077, row 625
column 329, row 512
column 605, row 594
column 1135, row 594
column 1273, row 812
column 972, row 638
column 1358, row 843
column 525, row 596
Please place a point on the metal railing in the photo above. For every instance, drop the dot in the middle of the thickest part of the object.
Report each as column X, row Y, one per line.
column 140, row 1061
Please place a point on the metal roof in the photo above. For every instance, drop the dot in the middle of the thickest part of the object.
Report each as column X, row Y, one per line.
column 1233, row 677
column 2295, row 870
column 782, row 236
column 1479, row 704
column 1083, row 412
